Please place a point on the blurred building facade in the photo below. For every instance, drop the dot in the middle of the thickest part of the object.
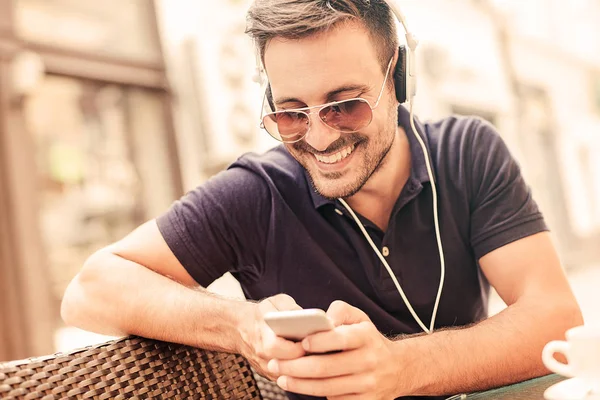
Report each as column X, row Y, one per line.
column 110, row 110
column 87, row 148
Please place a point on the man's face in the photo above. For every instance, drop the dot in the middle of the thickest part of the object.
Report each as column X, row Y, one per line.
column 337, row 65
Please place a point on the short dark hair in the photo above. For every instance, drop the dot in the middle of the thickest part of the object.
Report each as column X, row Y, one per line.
column 297, row 19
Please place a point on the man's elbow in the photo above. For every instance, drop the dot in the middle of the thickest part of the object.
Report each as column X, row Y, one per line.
column 69, row 309
column 567, row 314
column 576, row 316
column 76, row 305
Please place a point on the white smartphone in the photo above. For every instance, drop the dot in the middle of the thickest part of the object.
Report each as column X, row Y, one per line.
column 298, row 324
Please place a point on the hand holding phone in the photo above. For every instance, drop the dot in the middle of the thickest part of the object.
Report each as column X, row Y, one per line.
column 298, row 324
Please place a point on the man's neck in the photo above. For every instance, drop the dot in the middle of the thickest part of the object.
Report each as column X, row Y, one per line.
column 377, row 197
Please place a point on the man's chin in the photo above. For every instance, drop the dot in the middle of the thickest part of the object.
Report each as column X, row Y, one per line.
column 333, row 184
column 335, row 189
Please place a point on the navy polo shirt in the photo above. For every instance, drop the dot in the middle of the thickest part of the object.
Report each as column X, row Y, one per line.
column 262, row 221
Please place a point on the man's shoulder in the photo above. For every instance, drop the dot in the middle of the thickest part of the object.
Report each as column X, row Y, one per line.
column 276, row 167
column 457, row 130
column 275, row 160
column 461, row 138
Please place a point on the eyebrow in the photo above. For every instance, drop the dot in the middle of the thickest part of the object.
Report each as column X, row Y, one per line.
column 330, row 95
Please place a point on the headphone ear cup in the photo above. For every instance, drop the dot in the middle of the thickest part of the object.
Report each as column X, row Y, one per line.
column 400, row 75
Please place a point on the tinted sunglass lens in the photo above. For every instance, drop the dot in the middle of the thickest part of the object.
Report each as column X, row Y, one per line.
column 286, row 126
column 347, row 116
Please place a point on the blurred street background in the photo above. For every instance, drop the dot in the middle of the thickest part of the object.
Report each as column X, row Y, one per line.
column 110, row 110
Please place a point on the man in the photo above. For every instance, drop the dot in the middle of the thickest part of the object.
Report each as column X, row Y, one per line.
column 274, row 222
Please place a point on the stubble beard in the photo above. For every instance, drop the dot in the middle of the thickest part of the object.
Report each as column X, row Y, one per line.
column 374, row 153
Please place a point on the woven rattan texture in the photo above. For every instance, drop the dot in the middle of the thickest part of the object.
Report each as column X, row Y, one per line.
column 130, row 368
column 269, row 390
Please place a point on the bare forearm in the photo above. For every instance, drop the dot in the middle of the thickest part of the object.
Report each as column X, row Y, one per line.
column 115, row 296
column 503, row 349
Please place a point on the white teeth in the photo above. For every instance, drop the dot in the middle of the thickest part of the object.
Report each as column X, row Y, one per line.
column 337, row 157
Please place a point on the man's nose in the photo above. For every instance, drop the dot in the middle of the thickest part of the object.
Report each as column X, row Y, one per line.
column 320, row 136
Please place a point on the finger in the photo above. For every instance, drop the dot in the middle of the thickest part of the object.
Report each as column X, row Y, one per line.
column 278, row 347
column 283, row 302
column 337, row 386
column 344, row 337
column 342, row 313
column 323, row 366
column 261, row 366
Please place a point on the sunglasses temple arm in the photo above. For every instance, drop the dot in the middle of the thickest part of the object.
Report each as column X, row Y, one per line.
column 387, row 74
column 262, row 107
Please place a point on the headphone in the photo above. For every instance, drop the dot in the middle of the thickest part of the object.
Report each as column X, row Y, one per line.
column 405, row 83
column 405, row 73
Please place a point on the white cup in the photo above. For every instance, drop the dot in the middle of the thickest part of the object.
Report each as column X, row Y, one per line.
column 582, row 350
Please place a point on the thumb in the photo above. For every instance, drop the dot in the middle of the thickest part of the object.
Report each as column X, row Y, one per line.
column 283, row 302
column 342, row 313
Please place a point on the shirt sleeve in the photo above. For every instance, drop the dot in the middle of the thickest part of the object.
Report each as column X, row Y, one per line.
column 501, row 204
column 220, row 227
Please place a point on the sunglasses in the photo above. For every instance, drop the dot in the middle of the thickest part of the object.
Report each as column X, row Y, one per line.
column 346, row 116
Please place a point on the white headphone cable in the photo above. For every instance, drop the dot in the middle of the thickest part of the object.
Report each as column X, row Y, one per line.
column 437, row 234
column 387, row 266
column 436, row 219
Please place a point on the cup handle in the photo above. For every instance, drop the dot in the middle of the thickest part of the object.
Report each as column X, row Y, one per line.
column 557, row 346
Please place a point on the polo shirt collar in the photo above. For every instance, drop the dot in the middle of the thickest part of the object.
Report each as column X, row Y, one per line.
column 418, row 167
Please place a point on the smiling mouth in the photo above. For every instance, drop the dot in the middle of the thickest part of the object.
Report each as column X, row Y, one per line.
column 335, row 157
